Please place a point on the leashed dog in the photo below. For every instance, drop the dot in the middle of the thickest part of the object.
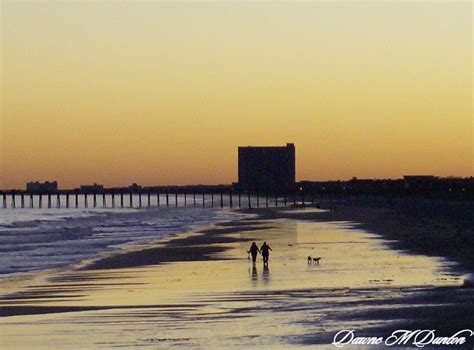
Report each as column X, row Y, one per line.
column 313, row 260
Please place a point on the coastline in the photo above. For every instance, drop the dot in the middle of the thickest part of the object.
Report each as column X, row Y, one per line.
column 183, row 266
column 439, row 228
column 405, row 228
column 197, row 246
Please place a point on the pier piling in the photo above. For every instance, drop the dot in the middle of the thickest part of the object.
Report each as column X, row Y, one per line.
column 226, row 198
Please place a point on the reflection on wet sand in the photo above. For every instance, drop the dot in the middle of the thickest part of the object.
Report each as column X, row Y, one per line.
column 266, row 274
column 254, row 274
column 223, row 300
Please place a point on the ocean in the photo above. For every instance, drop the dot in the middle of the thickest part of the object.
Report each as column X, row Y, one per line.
column 44, row 238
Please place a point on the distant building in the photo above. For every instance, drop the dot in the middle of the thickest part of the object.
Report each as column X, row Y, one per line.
column 42, row 186
column 92, row 188
column 134, row 187
column 267, row 168
column 419, row 182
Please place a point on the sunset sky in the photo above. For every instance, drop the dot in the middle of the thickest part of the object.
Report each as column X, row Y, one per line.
column 164, row 93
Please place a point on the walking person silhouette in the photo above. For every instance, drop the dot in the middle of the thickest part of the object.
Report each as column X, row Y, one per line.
column 254, row 251
column 265, row 251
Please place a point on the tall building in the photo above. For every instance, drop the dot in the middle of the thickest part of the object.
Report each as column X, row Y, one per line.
column 267, row 168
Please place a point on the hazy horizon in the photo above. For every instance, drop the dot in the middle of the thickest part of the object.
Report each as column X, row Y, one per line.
column 163, row 93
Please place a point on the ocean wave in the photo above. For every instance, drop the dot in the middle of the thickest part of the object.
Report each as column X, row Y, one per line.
column 38, row 240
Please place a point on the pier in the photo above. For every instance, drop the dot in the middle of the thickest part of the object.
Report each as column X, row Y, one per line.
column 110, row 198
column 228, row 196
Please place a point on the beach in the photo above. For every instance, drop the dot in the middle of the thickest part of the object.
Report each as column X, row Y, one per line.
column 148, row 148
column 198, row 289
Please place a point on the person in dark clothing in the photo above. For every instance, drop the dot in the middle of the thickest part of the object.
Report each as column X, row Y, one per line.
column 265, row 251
column 254, row 251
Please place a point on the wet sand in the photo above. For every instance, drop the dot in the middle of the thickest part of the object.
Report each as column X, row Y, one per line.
column 200, row 290
column 442, row 228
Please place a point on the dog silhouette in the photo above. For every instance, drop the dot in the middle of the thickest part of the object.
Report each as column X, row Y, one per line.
column 313, row 260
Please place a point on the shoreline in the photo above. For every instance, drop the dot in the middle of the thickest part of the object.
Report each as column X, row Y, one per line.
column 410, row 232
column 417, row 226
column 204, row 277
column 208, row 242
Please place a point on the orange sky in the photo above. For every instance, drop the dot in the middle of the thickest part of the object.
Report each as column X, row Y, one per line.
column 163, row 93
